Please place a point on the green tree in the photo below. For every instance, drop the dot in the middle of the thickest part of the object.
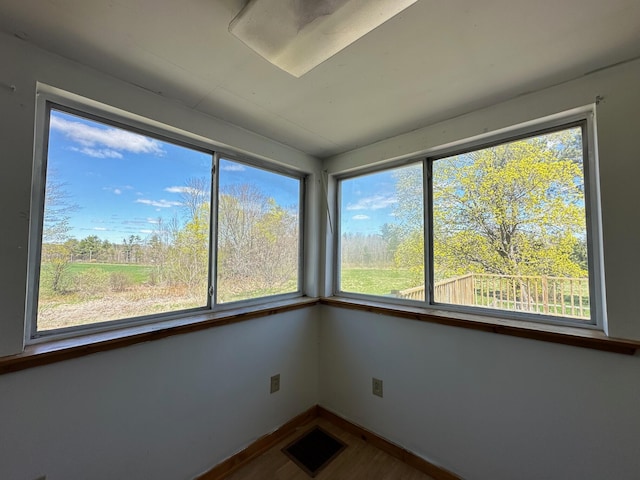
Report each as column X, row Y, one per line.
column 89, row 247
column 56, row 258
column 56, row 248
column 131, row 247
column 406, row 235
column 188, row 253
column 514, row 209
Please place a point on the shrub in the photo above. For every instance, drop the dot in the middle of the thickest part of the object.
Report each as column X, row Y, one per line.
column 119, row 281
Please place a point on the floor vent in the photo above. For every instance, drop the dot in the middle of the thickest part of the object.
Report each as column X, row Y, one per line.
column 314, row 450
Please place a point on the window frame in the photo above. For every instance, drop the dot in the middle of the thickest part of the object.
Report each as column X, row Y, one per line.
column 46, row 102
column 214, row 225
column 583, row 117
column 337, row 270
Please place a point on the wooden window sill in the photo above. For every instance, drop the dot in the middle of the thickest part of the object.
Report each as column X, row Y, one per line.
column 579, row 337
column 64, row 349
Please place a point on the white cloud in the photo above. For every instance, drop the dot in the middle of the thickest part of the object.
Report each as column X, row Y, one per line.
column 158, row 203
column 234, row 167
column 104, row 142
column 98, row 152
column 146, row 231
column 375, row 202
column 176, row 189
column 117, row 191
column 100, row 229
column 360, row 217
column 153, row 221
column 183, row 189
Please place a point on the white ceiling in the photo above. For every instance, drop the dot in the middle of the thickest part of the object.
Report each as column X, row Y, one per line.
column 436, row 60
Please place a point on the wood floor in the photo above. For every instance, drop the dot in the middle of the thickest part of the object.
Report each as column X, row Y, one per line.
column 359, row 461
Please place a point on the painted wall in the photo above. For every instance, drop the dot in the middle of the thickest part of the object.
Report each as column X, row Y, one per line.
column 490, row 406
column 168, row 409
column 482, row 405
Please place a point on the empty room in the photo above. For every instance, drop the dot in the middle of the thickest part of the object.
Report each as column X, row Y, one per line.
column 411, row 225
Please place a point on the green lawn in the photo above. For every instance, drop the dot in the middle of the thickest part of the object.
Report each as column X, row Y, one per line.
column 375, row 281
column 138, row 274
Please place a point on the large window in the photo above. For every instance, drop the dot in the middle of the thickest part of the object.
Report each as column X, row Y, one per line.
column 508, row 229
column 127, row 223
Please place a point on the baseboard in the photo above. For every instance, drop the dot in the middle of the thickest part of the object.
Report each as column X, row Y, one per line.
column 264, row 443
column 385, row 445
column 258, row 447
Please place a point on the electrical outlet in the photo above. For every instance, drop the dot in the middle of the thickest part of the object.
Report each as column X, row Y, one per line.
column 377, row 386
column 275, row 383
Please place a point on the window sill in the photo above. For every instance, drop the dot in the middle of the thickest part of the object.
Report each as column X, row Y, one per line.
column 578, row 337
column 68, row 348
column 59, row 350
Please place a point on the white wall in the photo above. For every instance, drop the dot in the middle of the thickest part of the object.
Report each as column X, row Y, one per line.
column 485, row 406
column 168, row 409
column 491, row 406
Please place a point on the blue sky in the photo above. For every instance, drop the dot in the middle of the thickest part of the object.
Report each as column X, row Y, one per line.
column 368, row 202
column 122, row 182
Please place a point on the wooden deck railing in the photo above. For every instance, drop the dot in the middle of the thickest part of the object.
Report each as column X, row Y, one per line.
column 561, row 296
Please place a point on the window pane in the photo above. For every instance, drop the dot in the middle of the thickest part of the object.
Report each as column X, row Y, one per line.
column 258, row 233
column 509, row 227
column 382, row 233
column 126, row 225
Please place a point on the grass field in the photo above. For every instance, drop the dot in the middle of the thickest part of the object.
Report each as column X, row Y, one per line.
column 375, row 281
column 91, row 296
column 138, row 274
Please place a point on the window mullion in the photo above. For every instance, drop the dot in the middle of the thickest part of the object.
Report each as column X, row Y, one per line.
column 427, row 198
column 213, row 238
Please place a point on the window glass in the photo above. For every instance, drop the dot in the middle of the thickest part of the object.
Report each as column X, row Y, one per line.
column 125, row 226
column 509, row 227
column 382, row 233
column 258, row 233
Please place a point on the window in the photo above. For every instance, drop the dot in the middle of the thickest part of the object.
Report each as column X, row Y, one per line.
column 258, row 240
column 382, row 232
column 509, row 228
column 126, row 227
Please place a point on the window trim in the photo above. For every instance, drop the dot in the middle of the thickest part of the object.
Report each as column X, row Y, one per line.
column 46, row 101
column 580, row 116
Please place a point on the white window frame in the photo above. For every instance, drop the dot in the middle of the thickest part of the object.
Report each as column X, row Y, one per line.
column 49, row 100
column 584, row 115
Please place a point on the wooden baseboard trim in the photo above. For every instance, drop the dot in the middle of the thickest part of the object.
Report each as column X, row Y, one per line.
column 258, row 447
column 392, row 449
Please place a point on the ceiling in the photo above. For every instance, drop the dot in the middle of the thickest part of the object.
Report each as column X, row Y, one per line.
column 436, row 60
